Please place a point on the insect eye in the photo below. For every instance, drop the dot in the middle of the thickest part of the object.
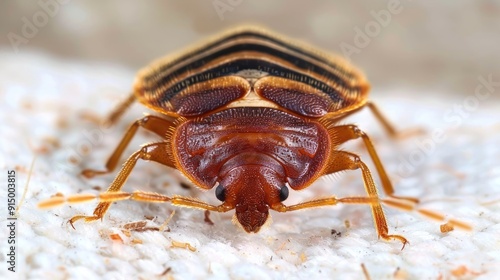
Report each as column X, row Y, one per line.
column 220, row 193
column 283, row 193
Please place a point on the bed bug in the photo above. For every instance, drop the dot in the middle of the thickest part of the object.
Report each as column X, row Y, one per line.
column 250, row 114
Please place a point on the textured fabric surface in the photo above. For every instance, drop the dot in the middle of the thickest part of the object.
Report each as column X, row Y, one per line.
column 50, row 110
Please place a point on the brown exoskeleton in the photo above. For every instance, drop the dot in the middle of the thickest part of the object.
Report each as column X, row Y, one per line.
column 250, row 114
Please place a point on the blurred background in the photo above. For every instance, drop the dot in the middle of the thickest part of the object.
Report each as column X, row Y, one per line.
column 427, row 46
column 64, row 64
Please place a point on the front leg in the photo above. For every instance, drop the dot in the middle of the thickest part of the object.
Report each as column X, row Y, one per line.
column 158, row 125
column 374, row 202
column 344, row 133
column 340, row 161
column 158, row 152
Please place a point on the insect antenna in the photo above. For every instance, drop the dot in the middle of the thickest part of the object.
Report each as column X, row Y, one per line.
column 410, row 206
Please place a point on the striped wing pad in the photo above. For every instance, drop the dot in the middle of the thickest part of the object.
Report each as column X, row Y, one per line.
column 251, row 67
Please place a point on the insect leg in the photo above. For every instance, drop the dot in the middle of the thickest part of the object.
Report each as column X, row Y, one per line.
column 343, row 133
column 157, row 152
column 389, row 128
column 155, row 124
column 374, row 202
column 119, row 110
column 340, row 161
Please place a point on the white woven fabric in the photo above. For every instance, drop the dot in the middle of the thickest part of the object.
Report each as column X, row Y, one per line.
column 48, row 108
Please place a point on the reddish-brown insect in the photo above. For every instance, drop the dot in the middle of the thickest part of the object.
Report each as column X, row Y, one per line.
column 250, row 114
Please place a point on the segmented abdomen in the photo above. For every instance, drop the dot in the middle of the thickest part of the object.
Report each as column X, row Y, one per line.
column 246, row 61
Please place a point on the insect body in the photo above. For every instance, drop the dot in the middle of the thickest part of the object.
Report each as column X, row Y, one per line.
column 250, row 114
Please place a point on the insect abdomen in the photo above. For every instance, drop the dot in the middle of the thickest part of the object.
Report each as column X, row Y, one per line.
column 220, row 66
